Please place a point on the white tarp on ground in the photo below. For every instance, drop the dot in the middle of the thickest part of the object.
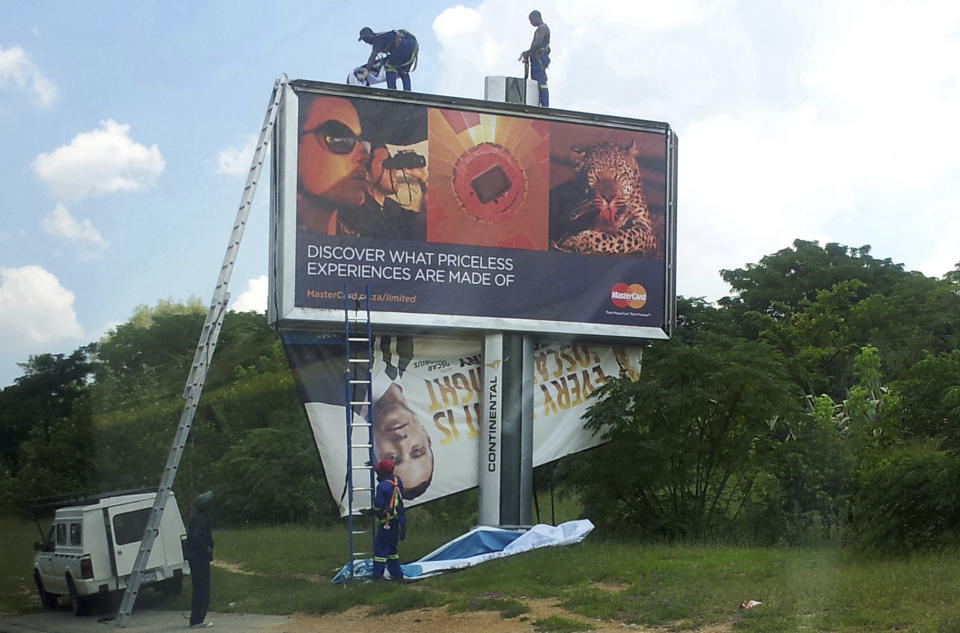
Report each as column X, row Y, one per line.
column 480, row 545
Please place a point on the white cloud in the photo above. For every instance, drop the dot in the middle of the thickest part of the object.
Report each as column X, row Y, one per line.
column 944, row 250
column 83, row 235
column 478, row 39
column 254, row 298
column 35, row 310
column 236, row 161
column 17, row 69
column 103, row 161
column 834, row 121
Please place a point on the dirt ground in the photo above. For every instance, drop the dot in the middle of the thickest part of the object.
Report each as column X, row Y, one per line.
column 437, row 620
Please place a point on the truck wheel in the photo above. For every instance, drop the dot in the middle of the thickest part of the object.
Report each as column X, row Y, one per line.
column 47, row 599
column 78, row 603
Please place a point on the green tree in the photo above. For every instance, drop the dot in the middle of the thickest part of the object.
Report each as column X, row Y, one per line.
column 58, row 462
column 150, row 355
column 272, row 476
column 689, row 439
column 953, row 276
column 907, row 498
column 41, row 399
column 820, row 306
column 916, row 317
column 928, row 400
column 817, row 337
column 781, row 282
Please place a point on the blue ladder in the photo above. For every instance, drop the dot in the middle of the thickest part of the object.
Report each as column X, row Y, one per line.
column 358, row 386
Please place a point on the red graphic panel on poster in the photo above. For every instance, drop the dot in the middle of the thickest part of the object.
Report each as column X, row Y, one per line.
column 489, row 180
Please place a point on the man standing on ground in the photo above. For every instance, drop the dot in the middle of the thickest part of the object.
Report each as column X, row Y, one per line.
column 538, row 56
column 401, row 49
column 391, row 522
column 199, row 551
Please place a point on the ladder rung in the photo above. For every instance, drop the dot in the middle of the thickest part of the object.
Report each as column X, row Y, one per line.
column 358, row 339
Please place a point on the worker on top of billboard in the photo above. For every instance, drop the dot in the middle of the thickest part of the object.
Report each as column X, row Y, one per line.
column 538, row 55
column 398, row 435
column 402, row 51
column 332, row 165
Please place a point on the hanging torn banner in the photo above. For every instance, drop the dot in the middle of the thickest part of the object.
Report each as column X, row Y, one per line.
column 426, row 405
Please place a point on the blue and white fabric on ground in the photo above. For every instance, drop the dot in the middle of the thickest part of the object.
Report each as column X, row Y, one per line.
column 478, row 546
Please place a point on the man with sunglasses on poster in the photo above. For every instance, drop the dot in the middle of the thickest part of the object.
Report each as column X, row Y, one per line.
column 401, row 49
column 348, row 188
column 332, row 165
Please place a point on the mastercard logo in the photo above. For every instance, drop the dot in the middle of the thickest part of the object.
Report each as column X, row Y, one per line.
column 632, row 296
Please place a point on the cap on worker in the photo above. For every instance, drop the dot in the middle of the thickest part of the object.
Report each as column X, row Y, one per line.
column 365, row 32
column 204, row 499
column 384, row 467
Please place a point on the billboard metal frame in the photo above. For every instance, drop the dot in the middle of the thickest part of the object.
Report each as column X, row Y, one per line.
column 285, row 314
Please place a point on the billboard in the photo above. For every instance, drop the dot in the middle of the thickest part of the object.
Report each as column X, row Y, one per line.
column 427, row 414
column 470, row 215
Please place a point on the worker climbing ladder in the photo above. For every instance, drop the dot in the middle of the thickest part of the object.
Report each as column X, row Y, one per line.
column 201, row 360
column 358, row 385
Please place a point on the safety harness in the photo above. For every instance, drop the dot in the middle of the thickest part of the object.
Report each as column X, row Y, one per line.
column 411, row 64
column 393, row 509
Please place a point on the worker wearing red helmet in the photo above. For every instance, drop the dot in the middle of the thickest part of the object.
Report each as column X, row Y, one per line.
column 391, row 522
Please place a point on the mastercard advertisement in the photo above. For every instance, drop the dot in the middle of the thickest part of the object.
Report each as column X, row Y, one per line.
column 454, row 214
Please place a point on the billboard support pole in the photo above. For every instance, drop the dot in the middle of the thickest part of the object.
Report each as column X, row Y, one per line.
column 506, row 447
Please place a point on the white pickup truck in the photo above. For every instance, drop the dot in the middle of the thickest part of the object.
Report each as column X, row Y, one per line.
column 90, row 549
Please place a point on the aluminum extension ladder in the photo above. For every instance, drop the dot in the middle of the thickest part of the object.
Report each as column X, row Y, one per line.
column 201, row 360
column 358, row 385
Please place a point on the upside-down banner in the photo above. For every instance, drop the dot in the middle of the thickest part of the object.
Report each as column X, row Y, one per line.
column 426, row 411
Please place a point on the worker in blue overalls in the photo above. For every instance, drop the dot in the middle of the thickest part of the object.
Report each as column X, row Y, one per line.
column 401, row 49
column 391, row 522
column 538, row 56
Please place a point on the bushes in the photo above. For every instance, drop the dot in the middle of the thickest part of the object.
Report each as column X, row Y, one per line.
column 907, row 499
column 273, row 476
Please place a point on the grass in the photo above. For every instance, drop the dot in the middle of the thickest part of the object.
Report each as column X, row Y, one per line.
column 507, row 607
column 557, row 624
column 287, row 569
column 16, row 565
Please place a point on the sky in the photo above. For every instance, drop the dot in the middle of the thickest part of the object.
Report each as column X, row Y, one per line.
column 127, row 129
